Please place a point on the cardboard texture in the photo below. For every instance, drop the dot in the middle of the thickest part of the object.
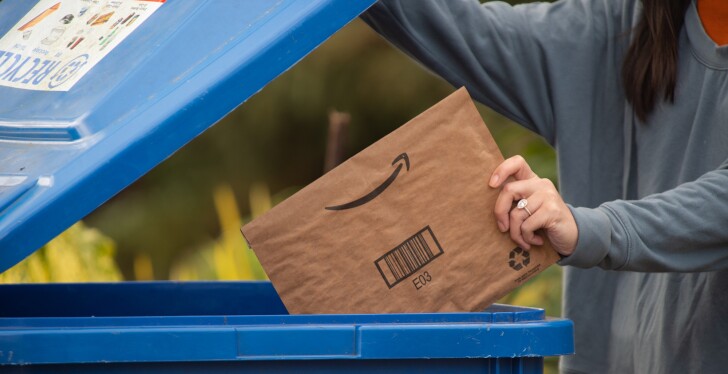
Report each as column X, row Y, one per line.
column 406, row 225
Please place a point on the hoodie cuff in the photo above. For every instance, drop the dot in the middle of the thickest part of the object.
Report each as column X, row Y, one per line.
column 592, row 245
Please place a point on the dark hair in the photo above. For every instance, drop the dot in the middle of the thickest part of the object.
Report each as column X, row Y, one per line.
column 650, row 66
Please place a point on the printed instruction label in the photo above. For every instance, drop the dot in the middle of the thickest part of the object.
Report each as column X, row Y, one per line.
column 60, row 41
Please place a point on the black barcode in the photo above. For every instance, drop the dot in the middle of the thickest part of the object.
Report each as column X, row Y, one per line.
column 412, row 255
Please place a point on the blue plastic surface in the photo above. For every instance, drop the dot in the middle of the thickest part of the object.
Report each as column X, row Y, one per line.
column 62, row 154
column 243, row 326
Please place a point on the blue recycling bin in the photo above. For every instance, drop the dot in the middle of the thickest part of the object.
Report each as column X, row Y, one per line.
column 101, row 117
column 210, row 327
column 92, row 96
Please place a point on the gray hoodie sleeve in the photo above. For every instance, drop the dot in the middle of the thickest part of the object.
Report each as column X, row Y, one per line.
column 523, row 61
column 526, row 61
column 681, row 230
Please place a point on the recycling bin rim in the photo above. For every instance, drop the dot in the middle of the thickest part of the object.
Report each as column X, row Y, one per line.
column 237, row 329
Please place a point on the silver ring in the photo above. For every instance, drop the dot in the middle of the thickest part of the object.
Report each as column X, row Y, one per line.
column 522, row 204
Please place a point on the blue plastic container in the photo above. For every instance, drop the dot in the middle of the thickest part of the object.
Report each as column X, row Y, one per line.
column 63, row 153
column 168, row 327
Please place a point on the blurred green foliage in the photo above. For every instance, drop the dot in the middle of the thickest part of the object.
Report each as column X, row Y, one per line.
column 80, row 254
column 229, row 257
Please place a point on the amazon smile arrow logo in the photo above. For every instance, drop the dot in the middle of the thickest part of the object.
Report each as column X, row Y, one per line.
column 377, row 191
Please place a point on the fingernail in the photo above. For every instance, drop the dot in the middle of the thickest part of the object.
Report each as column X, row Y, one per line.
column 494, row 180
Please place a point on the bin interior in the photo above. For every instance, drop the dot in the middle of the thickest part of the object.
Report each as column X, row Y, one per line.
column 168, row 298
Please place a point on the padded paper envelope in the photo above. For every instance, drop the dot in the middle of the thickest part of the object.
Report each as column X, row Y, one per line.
column 406, row 225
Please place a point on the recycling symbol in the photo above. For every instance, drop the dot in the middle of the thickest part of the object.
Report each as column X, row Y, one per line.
column 518, row 258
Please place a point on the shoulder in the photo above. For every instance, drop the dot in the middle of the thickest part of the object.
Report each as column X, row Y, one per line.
column 583, row 18
column 613, row 11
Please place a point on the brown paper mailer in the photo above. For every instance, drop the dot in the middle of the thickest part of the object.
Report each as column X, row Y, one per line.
column 406, row 225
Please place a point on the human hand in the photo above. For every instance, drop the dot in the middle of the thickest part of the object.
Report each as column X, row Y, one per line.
column 545, row 210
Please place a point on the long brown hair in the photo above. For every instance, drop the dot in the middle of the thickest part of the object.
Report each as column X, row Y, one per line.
column 649, row 72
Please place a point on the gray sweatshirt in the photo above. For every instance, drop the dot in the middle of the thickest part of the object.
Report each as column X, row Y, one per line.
column 648, row 285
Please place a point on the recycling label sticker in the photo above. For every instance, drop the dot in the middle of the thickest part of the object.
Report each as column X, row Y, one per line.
column 59, row 41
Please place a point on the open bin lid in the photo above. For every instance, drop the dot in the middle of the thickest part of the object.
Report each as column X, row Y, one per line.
column 88, row 122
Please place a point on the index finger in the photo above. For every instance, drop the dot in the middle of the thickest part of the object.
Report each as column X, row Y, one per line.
column 515, row 166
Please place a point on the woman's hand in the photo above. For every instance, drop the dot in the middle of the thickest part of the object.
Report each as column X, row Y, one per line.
column 548, row 212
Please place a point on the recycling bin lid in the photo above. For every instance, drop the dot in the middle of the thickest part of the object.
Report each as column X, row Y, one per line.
column 94, row 95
